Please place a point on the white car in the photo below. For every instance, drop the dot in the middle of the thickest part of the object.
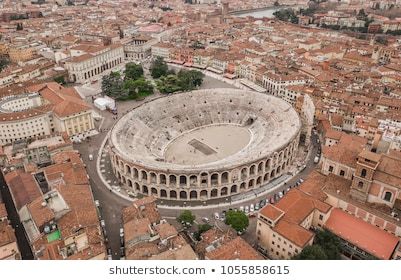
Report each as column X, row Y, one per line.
column 97, row 203
column 102, row 223
column 216, row 216
column 246, row 209
column 90, row 157
column 251, row 208
column 121, row 232
column 205, row 219
column 280, row 195
column 241, row 208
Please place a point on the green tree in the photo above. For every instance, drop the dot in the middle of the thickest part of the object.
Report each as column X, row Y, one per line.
column 133, row 71
column 189, row 80
column 237, row 220
column 112, row 85
column 60, row 80
column 313, row 252
column 201, row 229
column 330, row 244
column 4, row 63
column 168, row 84
column 158, row 68
column 186, row 217
column 138, row 88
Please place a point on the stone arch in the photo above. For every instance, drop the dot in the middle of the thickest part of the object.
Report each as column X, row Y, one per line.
column 144, row 175
column 203, row 194
column 173, row 194
column 278, row 170
column 128, row 170
column 242, row 186
column 163, row 179
column 123, row 180
column 154, row 191
column 244, row 173
column 163, row 193
column 233, row 189
column 268, row 163
column 251, row 183
column 224, row 177
column 224, row 191
column 260, row 167
column 259, row 181
column 273, row 173
column 193, row 180
column 129, row 183
column 252, row 170
column 214, row 179
column 183, row 195
column 173, row 179
column 135, row 173
column 145, row 189
column 153, row 177
column 183, row 180
column 137, row 186
column 266, row 178
column 213, row 193
column 204, row 178
column 193, row 195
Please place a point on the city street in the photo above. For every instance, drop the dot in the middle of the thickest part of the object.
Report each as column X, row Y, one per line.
column 13, row 217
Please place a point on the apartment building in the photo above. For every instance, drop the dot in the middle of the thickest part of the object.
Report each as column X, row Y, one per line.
column 89, row 62
column 283, row 230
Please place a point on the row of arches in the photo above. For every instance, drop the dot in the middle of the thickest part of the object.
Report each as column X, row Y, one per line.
column 196, row 194
column 206, row 179
column 104, row 67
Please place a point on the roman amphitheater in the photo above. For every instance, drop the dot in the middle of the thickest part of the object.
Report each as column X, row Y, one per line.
column 204, row 144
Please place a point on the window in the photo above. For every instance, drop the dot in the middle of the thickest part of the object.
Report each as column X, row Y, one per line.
column 331, row 168
column 321, row 217
column 387, row 196
column 342, row 173
column 363, row 173
column 360, row 185
column 273, row 242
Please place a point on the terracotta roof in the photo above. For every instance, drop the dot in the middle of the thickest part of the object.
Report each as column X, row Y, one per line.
column 236, row 249
column 297, row 206
column 7, row 234
column 23, row 187
column 271, row 212
column 367, row 237
column 40, row 214
column 136, row 228
column 3, row 211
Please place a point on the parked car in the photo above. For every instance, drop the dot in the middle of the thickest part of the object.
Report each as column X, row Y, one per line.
column 280, row 194
column 241, row 208
column 257, row 206
column 216, row 216
column 90, row 157
column 102, row 223
column 97, row 203
column 206, row 220
column 316, row 160
column 246, row 209
column 251, row 208
column 121, row 232
column 109, row 254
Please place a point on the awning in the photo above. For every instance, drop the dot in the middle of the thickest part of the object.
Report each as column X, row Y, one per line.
column 215, row 70
column 230, row 76
column 178, row 62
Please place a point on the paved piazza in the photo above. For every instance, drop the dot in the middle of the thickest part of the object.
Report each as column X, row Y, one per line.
column 204, row 144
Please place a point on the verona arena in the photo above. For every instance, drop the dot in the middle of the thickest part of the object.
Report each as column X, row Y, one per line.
column 204, row 144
